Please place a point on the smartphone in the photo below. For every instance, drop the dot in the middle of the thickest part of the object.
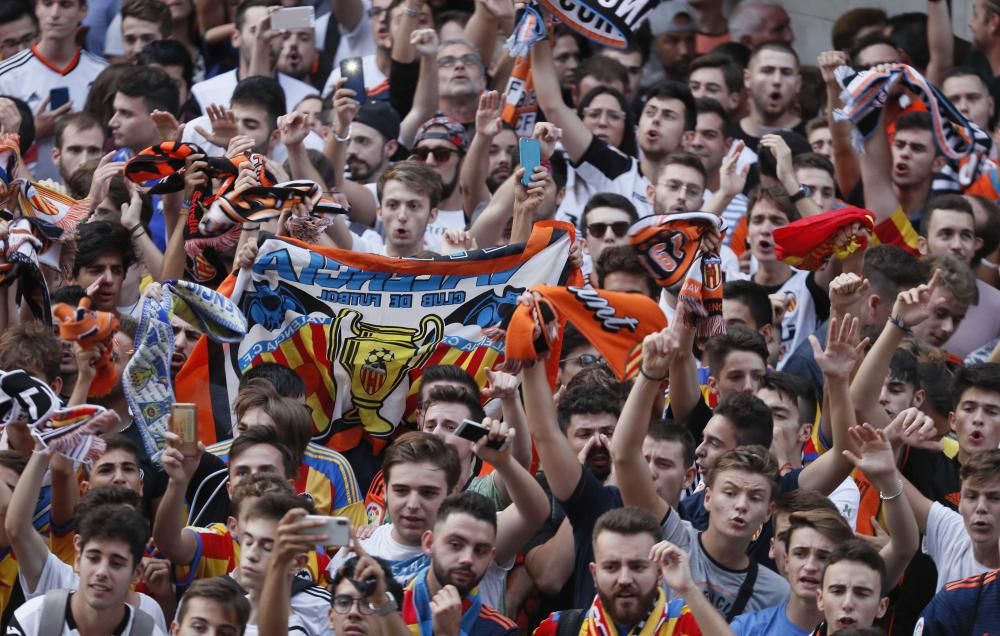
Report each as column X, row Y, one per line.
column 58, row 97
column 354, row 71
column 336, row 529
column 530, row 153
column 293, row 19
column 184, row 424
column 472, row 430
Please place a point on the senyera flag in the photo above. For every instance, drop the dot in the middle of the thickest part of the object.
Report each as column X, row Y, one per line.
column 358, row 328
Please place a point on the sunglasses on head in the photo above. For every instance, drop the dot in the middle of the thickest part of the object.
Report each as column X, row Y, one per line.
column 440, row 154
column 598, row 230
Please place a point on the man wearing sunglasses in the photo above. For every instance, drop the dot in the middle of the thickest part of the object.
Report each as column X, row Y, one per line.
column 441, row 144
column 606, row 219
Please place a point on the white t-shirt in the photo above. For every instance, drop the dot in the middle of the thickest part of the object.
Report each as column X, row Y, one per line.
column 279, row 153
column 30, row 78
column 57, row 575
column 309, row 604
column 374, row 78
column 219, row 90
column 847, row 498
column 356, row 43
column 446, row 220
column 950, row 546
column 27, row 621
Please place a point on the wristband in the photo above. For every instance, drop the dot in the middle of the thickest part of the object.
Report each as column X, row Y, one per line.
column 882, row 496
column 642, row 371
column 345, row 138
column 250, row 228
column 990, row 264
column 899, row 324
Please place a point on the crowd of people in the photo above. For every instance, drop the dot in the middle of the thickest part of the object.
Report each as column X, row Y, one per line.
column 825, row 461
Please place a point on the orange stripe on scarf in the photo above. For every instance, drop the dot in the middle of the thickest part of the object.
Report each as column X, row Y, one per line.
column 91, row 329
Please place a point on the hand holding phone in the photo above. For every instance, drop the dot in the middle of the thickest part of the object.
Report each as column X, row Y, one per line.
column 293, row 19
column 58, row 97
column 473, row 431
column 353, row 71
column 530, row 153
column 184, row 424
column 336, row 529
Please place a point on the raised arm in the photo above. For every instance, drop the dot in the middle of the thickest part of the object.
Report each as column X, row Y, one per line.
column 576, row 136
column 845, row 159
column 631, row 471
column 362, row 205
column 425, row 97
column 31, row 549
column 732, row 179
column 529, row 506
column 174, row 258
column 475, row 166
column 786, row 173
column 489, row 18
column 292, row 542
column 685, row 391
column 875, row 172
column 294, row 128
column 504, row 387
column 675, row 571
column 562, row 467
column 878, row 462
column 348, row 14
column 940, row 42
column 837, row 362
column 176, row 544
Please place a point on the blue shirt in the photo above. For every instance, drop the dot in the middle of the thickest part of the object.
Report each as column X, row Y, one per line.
column 968, row 606
column 773, row 620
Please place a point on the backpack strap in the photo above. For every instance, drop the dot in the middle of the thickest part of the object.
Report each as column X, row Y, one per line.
column 746, row 591
column 570, row 622
column 142, row 623
column 53, row 612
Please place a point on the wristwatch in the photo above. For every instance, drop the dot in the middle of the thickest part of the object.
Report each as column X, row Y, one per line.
column 801, row 193
column 387, row 608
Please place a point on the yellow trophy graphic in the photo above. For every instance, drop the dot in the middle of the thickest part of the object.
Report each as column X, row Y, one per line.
column 378, row 359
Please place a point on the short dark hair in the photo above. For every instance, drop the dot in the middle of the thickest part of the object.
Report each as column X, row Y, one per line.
column 812, row 160
column 731, row 72
column 872, row 39
column 450, row 373
column 935, row 373
column 423, row 448
column 750, row 418
column 263, row 435
column 469, row 503
column 559, row 170
column 780, row 47
column 286, row 382
column 122, row 523
column 754, row 296
column 255, row 486
column 69, row 294
column 109, row 495
column 918, row 120
column 706, row 105
column 857, row 551
column 263, row 92
column 829, row 523
column 629, row 521
column 796, row 388
column 750, row 458
column 15, row 10
column 153, row 85
column 241, row 9
column 221, row 590
column 846, row 27
column 33, row 347
column 623, row 258
column 148, row 11
column 736, row 338
column 777, row 195
column 891, row 269
column 274, row 505
column 903, row 367
column 669, row 431
column 670, row 89
column 347, row 570
column 119, row 442
column 451, row 394
column 984, row 376
column 292, row 417
column 989, row 232
column 100, row 237
column 608, row 200
column 955, row 202
column 586, row 398
column 81, row 121
column 415, row 175
column 604, row 69
column 801, row 500
column 168, row 53
column 685, row 158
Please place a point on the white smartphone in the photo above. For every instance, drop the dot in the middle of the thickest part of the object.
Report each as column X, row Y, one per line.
column 336, row 529
column 293, row 19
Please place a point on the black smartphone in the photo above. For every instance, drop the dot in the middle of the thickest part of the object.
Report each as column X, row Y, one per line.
column 354, row 71
column 58, row 97
column 474, row 431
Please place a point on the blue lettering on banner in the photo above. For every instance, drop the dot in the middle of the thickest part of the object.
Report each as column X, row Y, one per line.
column 270, row 346
column 442, row 298
column 466, row 345
column 352, row 299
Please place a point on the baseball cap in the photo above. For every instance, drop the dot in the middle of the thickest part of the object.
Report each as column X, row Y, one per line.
column 380, row 116
column 675, row 16
column 453, row 132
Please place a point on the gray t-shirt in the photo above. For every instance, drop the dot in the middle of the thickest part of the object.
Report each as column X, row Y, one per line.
column 722, row 585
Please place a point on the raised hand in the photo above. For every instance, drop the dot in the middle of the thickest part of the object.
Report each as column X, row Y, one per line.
column 876, row 461
column 367, row 569
column 658, row 351
column 167, row 125
column 456, row 240
column 548, row 135
column 732, row 178
column 156, row 576
column 488, row 121
column 500, row 435
column 46, row 120
column 828, row 61
column 446, row 612
column 223, row 123
column 294, row 538
column 247, row 255
column 195, row 175
column 180, row 467
column 131, row 212
column 914, row 428
column 239, row 146
column 502, row 385
column 425, row 41
column 527, row 200
column 10, row 117
column 842, row 348
column 294, row 128
column 846, row 291
column 783, row 158
column 101, row 180
column 913, row 306
column 345, row 107
column 675, row 567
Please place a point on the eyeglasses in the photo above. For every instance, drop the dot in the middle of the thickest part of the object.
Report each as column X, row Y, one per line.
column 584, row 360
column 342, row 604
column 691, row 191
column 616, row 116
column 376, row 13
column 598, row 230
column 451, row 60
column 440, row 154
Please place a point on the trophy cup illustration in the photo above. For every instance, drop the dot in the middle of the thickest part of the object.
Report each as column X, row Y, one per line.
column 378, row 359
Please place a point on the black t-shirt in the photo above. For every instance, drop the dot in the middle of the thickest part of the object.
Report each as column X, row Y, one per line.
column 753, row 143
column 589, row 501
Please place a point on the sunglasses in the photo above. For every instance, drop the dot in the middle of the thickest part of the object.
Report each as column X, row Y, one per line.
column 598, row 230
column 440, row 154
column 585, row 360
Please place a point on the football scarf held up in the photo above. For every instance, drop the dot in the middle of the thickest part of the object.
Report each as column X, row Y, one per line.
column 608, row 22
column 661, row 619
column 809, row 243
column 358, row 327
column 422, row 607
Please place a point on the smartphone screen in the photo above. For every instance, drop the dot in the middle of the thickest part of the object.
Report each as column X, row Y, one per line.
column 353, row 70
column 184, row 424
column 531, row 156
column 293, row 19
column 474, row 431
column 58, row 97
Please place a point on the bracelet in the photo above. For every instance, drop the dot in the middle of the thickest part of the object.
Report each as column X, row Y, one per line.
column 134, row 228
column 642, row 371
column 881, row 495
column 250, row 228
column 347, row 137
column 135, row 236
column 899, row 324
column 990, row 264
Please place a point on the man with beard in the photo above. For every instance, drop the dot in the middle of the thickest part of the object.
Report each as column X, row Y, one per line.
column 373, row 142
column 711, row 141
column 968, row 91
column 774, row 81
column 79, row 138
column 298, row 55
column 674, row 29
column 461, row 80
column 629, row 564
column 461, row 547
column 441, row 145
column 984, row 25
column 667, row 119
column 756, row 22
